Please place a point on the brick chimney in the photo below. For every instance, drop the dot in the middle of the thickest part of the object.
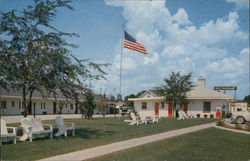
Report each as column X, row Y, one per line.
column 201, row 82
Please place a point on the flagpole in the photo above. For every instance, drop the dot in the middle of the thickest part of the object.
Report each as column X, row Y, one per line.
column 120, row 98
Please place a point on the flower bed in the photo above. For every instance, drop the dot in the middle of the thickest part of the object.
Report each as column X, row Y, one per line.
column 228, row 124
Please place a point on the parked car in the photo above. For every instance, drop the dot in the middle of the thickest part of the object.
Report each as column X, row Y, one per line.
column 240, row 113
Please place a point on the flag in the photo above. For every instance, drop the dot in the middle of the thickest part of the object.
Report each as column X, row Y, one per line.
column 130, row 43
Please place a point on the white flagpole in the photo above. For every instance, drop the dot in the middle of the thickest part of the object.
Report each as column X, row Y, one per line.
column 120, row 97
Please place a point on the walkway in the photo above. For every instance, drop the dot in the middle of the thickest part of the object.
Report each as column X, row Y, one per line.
column 14, row 119
column 122, row 145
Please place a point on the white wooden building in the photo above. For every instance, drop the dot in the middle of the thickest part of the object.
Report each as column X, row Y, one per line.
column 201, row 100
column 11, row 104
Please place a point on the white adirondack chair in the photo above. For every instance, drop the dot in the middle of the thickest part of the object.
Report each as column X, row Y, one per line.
column 135, row 120
column 182, row 115
column 34, row 126
column 4, row 131
column 189, row 115
column 62, row 128
column 155, row 119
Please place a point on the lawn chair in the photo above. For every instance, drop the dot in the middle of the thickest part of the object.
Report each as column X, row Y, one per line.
column 4, row 131
column 189, row 115
column 155, row 119
column 145, row 119
column 182, row 115
column 62, row 128
column 34, row 126
column 135, row 120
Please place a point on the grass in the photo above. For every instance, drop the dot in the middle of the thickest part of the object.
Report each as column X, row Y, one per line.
column 89, row 133
column 206, row 145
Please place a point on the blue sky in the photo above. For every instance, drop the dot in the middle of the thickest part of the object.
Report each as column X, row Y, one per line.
column 209, row 38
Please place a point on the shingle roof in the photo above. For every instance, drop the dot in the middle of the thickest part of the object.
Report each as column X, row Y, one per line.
column 201, row 93
column 197, row 92
column 36, row 94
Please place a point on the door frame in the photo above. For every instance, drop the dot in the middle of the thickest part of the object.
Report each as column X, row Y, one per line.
column 170, row 110
column 157, row 108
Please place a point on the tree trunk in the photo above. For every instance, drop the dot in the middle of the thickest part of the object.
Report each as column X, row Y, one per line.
column 30, row 101
column 24, row 102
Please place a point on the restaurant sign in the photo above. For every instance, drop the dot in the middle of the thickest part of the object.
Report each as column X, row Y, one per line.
column 225, row 87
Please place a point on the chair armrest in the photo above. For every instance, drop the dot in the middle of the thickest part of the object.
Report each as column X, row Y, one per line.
column 70, row 123
column 29, row 129
column 50, row 126
column 13, row 128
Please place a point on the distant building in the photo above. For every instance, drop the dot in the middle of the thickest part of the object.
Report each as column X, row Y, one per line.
column 11, row 103
column 201, row 101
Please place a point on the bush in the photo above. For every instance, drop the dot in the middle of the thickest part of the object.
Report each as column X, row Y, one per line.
column 198, row 115
column 205, row 115
column 219, row 123
column 211, row 116
column 228, row 115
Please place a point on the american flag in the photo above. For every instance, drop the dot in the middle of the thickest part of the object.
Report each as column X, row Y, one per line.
column 130, row 43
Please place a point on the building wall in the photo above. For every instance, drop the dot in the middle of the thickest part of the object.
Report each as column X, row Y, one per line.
column 194, row 107
column 150, row 111
column 40, row 106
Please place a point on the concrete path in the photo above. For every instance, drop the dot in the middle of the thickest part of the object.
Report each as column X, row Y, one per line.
column 14, row 119
column 122, row 145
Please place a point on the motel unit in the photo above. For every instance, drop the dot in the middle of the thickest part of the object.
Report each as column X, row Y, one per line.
column 201, row 100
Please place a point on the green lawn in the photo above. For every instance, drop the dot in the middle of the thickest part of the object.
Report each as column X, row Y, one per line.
column 206, row 145
column 90, row 133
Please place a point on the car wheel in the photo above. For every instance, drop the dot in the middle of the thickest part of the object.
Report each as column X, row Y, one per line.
column 240, row 120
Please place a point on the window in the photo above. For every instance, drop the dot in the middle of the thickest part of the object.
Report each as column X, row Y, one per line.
column 13, row 103
column 71, row 106
column 162, row 105
column 41, row 105
column 66, row 105
column 3, row 105
column 20, row 104
column 206, row 106
column 144, row 105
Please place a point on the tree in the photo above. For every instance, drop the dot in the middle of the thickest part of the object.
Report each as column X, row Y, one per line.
column 176, row 87
column 247, row 99
column 88, row 106
column 130, row 103
column 34, row 55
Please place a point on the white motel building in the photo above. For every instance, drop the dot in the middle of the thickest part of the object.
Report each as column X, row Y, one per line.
column 12, row 104
column 201, row 100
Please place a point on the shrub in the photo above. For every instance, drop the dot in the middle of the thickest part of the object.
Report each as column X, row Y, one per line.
column 219, row 123
column 248, row 127
column 198, row 115
column 211, row 116
column 228, row 115
column 205, row 115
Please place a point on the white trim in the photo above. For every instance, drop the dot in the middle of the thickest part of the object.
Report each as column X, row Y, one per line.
column 148, row 91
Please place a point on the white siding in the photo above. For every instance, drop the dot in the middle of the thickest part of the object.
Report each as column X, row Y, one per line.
column 150, row 111
column 38, row 110
column 194, row 107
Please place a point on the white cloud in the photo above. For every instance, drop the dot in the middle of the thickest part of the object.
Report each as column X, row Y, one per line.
column 176, row 44
column 181, row 17
column 151, row 59
column 239, row 3
column 245, row 51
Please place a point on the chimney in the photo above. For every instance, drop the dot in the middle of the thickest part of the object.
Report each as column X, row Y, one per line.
column 201, row 82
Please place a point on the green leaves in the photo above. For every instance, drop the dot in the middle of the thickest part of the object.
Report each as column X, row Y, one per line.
column 176, row 87
column 34, row 55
